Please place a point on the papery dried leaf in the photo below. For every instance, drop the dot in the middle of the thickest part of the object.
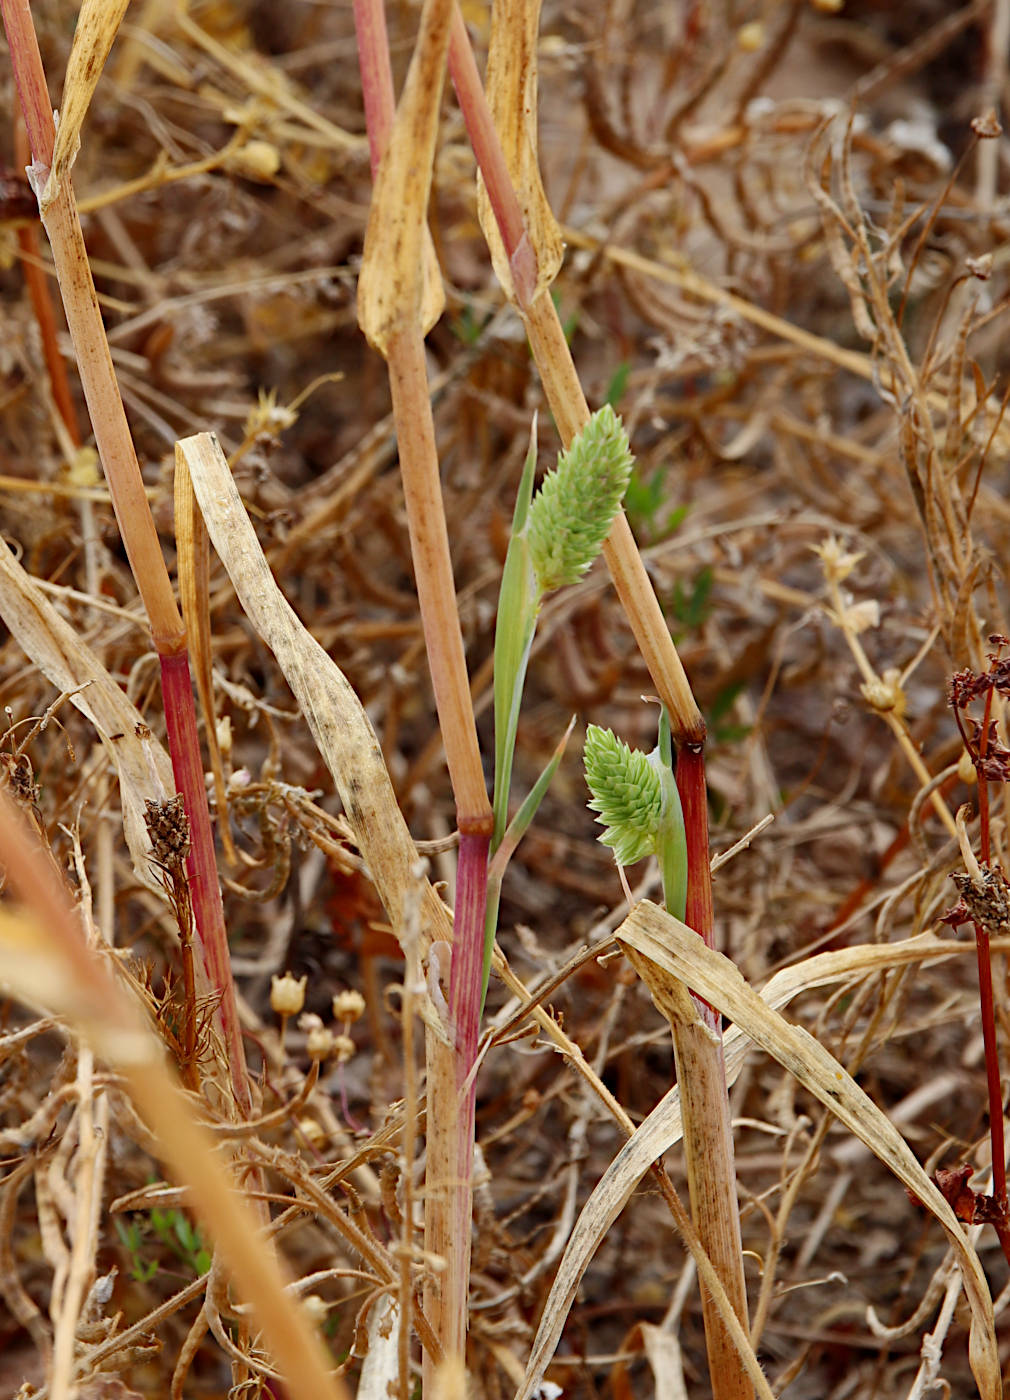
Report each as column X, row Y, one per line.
column 400, row 286
column 143, row 767
column 662, row 1128
column 97, row 26
column 193, row 568
column 512, row 96
column 709, row 974
column 334, row 713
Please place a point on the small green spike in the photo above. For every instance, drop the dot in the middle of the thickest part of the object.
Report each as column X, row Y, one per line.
column 575, row 507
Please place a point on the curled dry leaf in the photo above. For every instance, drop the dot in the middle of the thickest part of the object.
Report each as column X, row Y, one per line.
column 721, row 983
column 400, row 285
column 97, row 26
column 143, row 766
column 334, row 713
column 512, row 97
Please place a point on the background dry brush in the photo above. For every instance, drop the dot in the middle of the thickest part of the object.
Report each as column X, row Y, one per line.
column 801, row 325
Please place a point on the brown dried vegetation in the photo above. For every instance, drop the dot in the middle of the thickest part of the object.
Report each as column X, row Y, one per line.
column 787, row 261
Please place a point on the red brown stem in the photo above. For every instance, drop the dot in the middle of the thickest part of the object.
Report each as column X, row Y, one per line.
column 37, row 283
column 491, row 160
column 133, row 514
column 984, row 959
column 201, row 867
column 983, row 786
column 376, row 76
column 700, row 911
column 992, row 1076
column 465, row 997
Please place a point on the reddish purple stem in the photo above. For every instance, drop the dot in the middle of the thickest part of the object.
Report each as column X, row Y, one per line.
column 201, row 868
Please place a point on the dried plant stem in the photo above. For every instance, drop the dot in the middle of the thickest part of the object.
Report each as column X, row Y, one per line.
column 89, row 1176
column 42, row 306
column 719, row 1295
column 886, row 700
column 701, row 1075
column 84, row 993
column 707, row 1132
column 449, row 1199
column 396, row 256
column 444, row 644
column 983, row 958
column 129, row 499
column 436, row 592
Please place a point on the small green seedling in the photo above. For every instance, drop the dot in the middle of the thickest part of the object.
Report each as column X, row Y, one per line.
column 174, row 1230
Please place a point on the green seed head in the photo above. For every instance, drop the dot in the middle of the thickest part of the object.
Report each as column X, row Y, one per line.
column 575, row 507
column 627, row 794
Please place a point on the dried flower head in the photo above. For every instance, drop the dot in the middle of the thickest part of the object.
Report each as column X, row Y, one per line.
column 268, row 418
column 317, row 1308
column 168, row 828
column 348, row 1006
column 318, row 1038
column 965, row 686
column 751, row 37
column 988, row 904
column 344, row 1048
column 885, row 694
column 859, row 617
column 966, row 768
column 987, row 127
column 314, row 1133
column 224, row 735
column 287, row 994
column 835, row 561
column 256, row 160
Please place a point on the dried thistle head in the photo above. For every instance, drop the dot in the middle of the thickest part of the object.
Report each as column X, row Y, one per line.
column 168, row 828
column 987, row 903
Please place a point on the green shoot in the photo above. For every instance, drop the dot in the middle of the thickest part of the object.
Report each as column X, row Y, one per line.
column 555, row 539
column 618, row 384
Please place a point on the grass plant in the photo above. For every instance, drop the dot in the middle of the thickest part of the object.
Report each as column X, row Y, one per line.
column 133, row 513
column 265, row 1131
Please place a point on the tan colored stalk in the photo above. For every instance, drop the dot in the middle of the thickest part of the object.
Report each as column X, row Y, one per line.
column 193, row 566
column 399, row 299
column 38, row 290
column 351, row 751
column 47, row 961
column 57, row 206
column 884, row 694
column 708, row 1141
column 436, row 591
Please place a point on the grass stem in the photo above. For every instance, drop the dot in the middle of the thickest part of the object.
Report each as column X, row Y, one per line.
column 140, row 538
